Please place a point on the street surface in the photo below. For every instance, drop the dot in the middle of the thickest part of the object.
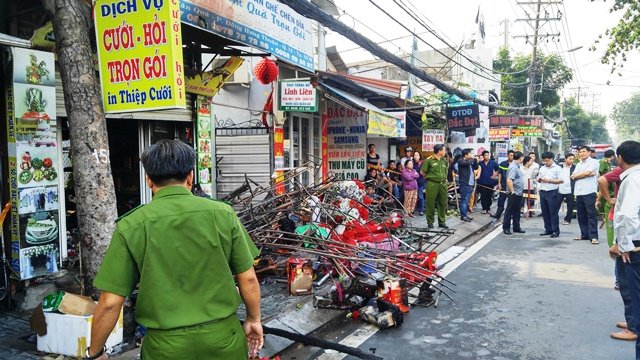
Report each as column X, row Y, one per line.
column 519, row 297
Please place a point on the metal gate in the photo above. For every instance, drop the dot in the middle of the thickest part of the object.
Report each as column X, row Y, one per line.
column 240, row 152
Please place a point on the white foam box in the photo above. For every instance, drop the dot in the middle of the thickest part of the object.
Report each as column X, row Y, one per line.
column 71, row 334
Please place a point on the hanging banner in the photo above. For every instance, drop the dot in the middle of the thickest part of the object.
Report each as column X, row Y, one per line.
column 325, row 147
column 205, row 149
column 210, row 82
column 347, row 141
column 298, row 95
column 526, row 131
column 382, row 124
column 33, row 164
column 140, row 55
column 401, row 123
column 430, row 138
column 267, row 25
column 278, row 155
column 516, row 121
column 499, row 134
column 462, row 118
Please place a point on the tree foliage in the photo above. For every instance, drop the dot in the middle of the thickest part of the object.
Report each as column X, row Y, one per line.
column 584, row 128
column 549, row 74
column 599, row 132
column 625, row 36
column 577, row 120
column 626, row 117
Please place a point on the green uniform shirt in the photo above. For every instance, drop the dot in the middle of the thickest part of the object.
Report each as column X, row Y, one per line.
column 605, row 167
column 435, row 170
column 184, row 251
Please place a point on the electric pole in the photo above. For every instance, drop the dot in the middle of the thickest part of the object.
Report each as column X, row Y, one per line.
column 542, row 15
column 505, row 33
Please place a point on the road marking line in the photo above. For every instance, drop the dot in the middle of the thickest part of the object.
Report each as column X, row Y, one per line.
column 472, row 250
column 362, row 334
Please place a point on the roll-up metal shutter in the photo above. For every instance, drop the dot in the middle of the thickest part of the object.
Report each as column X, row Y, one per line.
column 167, row 114
column 241, row 151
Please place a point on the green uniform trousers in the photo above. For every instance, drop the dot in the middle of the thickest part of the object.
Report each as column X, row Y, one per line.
column 223, row 339
column 608, row 225
column 436, row 197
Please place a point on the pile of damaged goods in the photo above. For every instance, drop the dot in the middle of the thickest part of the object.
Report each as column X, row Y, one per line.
column 330, row 240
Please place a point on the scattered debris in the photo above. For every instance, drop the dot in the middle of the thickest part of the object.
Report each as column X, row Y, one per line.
column 332, row 232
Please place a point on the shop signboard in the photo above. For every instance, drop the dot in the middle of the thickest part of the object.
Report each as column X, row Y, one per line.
column 346, row 141
column 382, row 124
column 325, row 147
column 139, row 55
column 34, row 164
column 209, row 83
column 516, row 121
column 298, row 96
column 499, row 134
column 204, row 144
column 526, row 131
column 267, row 25
column 502, row 151
column 461, row 118
column 432, row 137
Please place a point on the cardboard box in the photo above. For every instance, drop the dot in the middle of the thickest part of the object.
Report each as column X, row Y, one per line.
column 73, row 304
column 71, row 334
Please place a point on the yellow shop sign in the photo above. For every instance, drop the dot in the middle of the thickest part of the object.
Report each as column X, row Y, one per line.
column 140, row 54
column 209, row 82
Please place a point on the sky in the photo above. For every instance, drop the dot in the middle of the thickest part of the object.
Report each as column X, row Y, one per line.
column 583, row 21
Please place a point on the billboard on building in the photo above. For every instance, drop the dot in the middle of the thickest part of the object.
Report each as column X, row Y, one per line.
column 346, row 141
column 267, row 25
column 139, row 55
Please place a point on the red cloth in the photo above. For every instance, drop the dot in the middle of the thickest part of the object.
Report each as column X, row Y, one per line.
column 613, row 176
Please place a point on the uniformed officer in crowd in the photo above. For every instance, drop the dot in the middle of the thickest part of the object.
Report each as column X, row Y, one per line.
column 183, row 251
column 434, row 169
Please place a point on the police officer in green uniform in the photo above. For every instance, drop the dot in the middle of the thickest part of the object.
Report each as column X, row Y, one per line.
column 434, row 169
column 183, row 251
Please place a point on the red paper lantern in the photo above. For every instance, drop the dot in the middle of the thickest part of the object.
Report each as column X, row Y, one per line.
column 266, row 71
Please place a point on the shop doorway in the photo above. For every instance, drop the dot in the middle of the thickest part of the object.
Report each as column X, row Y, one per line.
column 125, row 163
column 302, row 139
column 127, row 141
column 154, row 131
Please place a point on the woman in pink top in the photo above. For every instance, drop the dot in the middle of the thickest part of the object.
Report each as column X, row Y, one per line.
column 410, row 187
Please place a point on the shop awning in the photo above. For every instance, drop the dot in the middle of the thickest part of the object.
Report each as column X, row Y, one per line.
column 14, row 41
column 380, row 122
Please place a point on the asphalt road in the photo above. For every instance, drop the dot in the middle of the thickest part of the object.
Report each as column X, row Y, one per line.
column 519, row 297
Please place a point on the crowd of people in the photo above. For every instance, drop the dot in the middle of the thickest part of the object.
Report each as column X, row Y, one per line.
column 593, row 191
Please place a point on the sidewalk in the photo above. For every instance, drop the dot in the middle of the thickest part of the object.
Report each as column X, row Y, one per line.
column 280, row 310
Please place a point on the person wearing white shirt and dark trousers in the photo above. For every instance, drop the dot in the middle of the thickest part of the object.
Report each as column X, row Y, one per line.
column 549, row 179
column 586, row 186
column 566, row 188
column 626, row 227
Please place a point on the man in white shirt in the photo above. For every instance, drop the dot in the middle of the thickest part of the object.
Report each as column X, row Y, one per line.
column 408, row 152
column 549, row 178
column 586, row 186
column 566, row 188
column 626, row 224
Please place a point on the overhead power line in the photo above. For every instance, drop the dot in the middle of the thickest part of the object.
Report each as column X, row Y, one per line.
column 420, row 20
column 494, row 79
column 311, row 11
